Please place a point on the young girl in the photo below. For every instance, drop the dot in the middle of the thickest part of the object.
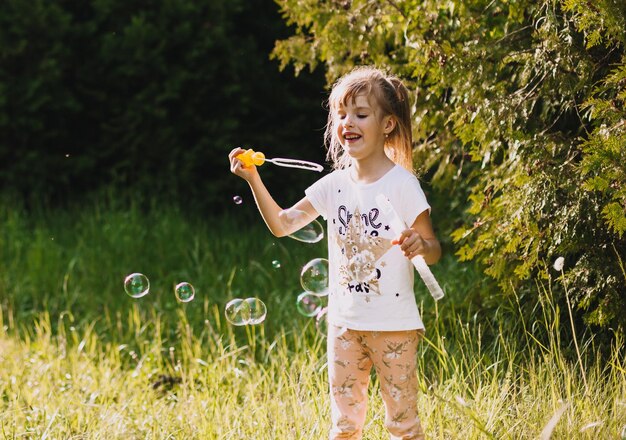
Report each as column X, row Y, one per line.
column 372, row 314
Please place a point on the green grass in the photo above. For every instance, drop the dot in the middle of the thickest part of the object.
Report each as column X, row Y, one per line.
column 80, row 359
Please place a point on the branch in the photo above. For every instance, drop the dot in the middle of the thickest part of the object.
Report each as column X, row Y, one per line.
column 392, row 3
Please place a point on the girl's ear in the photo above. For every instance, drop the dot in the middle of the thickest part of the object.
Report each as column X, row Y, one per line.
column 390, row 124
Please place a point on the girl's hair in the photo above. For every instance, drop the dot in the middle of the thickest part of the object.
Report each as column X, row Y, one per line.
column 392, row 98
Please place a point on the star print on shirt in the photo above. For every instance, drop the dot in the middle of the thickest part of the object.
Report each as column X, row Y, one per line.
column 360, row 252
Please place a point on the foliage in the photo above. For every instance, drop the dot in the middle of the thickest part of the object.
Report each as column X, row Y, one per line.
column 519, row 109
column 141, row 94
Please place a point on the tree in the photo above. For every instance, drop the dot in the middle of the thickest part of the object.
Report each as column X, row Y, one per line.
column 519, row 110
column 150, row 95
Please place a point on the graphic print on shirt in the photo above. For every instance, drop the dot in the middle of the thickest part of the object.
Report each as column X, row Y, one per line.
column 361, row 247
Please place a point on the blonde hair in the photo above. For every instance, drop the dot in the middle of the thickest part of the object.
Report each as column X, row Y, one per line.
column 392, row 98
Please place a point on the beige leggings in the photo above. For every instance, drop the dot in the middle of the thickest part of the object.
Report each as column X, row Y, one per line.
column 351, row 355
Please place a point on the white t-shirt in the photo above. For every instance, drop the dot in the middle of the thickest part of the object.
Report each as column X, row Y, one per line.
column 370, row 280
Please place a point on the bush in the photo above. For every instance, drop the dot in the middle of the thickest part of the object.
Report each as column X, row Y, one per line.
column 520, row 103
column 151, row 95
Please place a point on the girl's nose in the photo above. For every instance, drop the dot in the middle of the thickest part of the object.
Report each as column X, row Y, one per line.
column 347, row 121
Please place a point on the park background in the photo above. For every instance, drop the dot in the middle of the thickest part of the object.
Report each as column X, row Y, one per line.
column 116, row 118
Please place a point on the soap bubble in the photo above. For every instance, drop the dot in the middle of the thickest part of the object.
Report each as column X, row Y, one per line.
column 238, row 200
column 314, row 276
column 310, row 233
column 308, row 304
column 136, row 285
column 276, row 264
column 237, row 312
column 258, row 310
column 291, row 217
column 245, row 311
column 184, row 292
column 321, row 322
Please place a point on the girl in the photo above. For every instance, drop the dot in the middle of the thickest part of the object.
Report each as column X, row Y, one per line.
column 372, row 314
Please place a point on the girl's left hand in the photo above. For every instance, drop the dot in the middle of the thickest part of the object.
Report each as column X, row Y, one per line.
column 411, row 243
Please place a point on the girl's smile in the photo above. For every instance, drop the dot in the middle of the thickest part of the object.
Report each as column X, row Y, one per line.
column 349, row 137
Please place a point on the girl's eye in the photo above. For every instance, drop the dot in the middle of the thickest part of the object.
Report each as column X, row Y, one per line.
column 361, row 116
column 342, row 116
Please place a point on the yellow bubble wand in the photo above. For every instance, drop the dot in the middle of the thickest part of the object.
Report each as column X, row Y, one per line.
column 251, row 157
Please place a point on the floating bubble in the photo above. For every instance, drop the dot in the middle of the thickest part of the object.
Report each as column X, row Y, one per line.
column 310, row 233
column 276, row 264
column 245, row 311
column 308, row 304
column 237, row 312
column 258, row 311
column 291, row 217
column 314, row 276
column 184, row 292
column 136, row 285
column 321, row 322
column 238, row 200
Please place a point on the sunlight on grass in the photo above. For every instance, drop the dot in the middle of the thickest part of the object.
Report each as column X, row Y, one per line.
column 136, row 385
column 81, row 359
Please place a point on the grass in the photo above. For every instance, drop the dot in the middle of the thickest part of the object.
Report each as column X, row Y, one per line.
column 80, row 359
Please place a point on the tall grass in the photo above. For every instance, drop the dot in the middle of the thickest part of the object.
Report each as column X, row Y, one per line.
column 80, row 359
column 75, row 260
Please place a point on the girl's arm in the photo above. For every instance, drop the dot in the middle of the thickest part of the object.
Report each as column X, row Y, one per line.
column 280, row 222
column 420, row 239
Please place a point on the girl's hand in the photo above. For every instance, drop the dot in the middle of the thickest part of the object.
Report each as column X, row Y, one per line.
column 237, row 168
column 411, row 243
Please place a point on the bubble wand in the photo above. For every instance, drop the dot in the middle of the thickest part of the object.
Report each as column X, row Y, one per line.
column 251, row 157
column 397, row 225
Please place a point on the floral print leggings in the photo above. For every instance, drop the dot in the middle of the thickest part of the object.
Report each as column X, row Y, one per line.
column 351, row 355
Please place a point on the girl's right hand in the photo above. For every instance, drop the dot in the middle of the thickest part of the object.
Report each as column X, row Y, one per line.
column 237, row 167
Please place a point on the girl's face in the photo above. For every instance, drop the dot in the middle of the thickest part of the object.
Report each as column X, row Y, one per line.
column 361, row 128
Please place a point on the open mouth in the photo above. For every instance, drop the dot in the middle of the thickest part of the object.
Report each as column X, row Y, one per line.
column 351, row 137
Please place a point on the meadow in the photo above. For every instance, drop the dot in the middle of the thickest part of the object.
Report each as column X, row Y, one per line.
column 79, row 359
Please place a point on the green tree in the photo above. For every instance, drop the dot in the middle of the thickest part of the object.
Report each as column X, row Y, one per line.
column 519, row 119
column 141, row 94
